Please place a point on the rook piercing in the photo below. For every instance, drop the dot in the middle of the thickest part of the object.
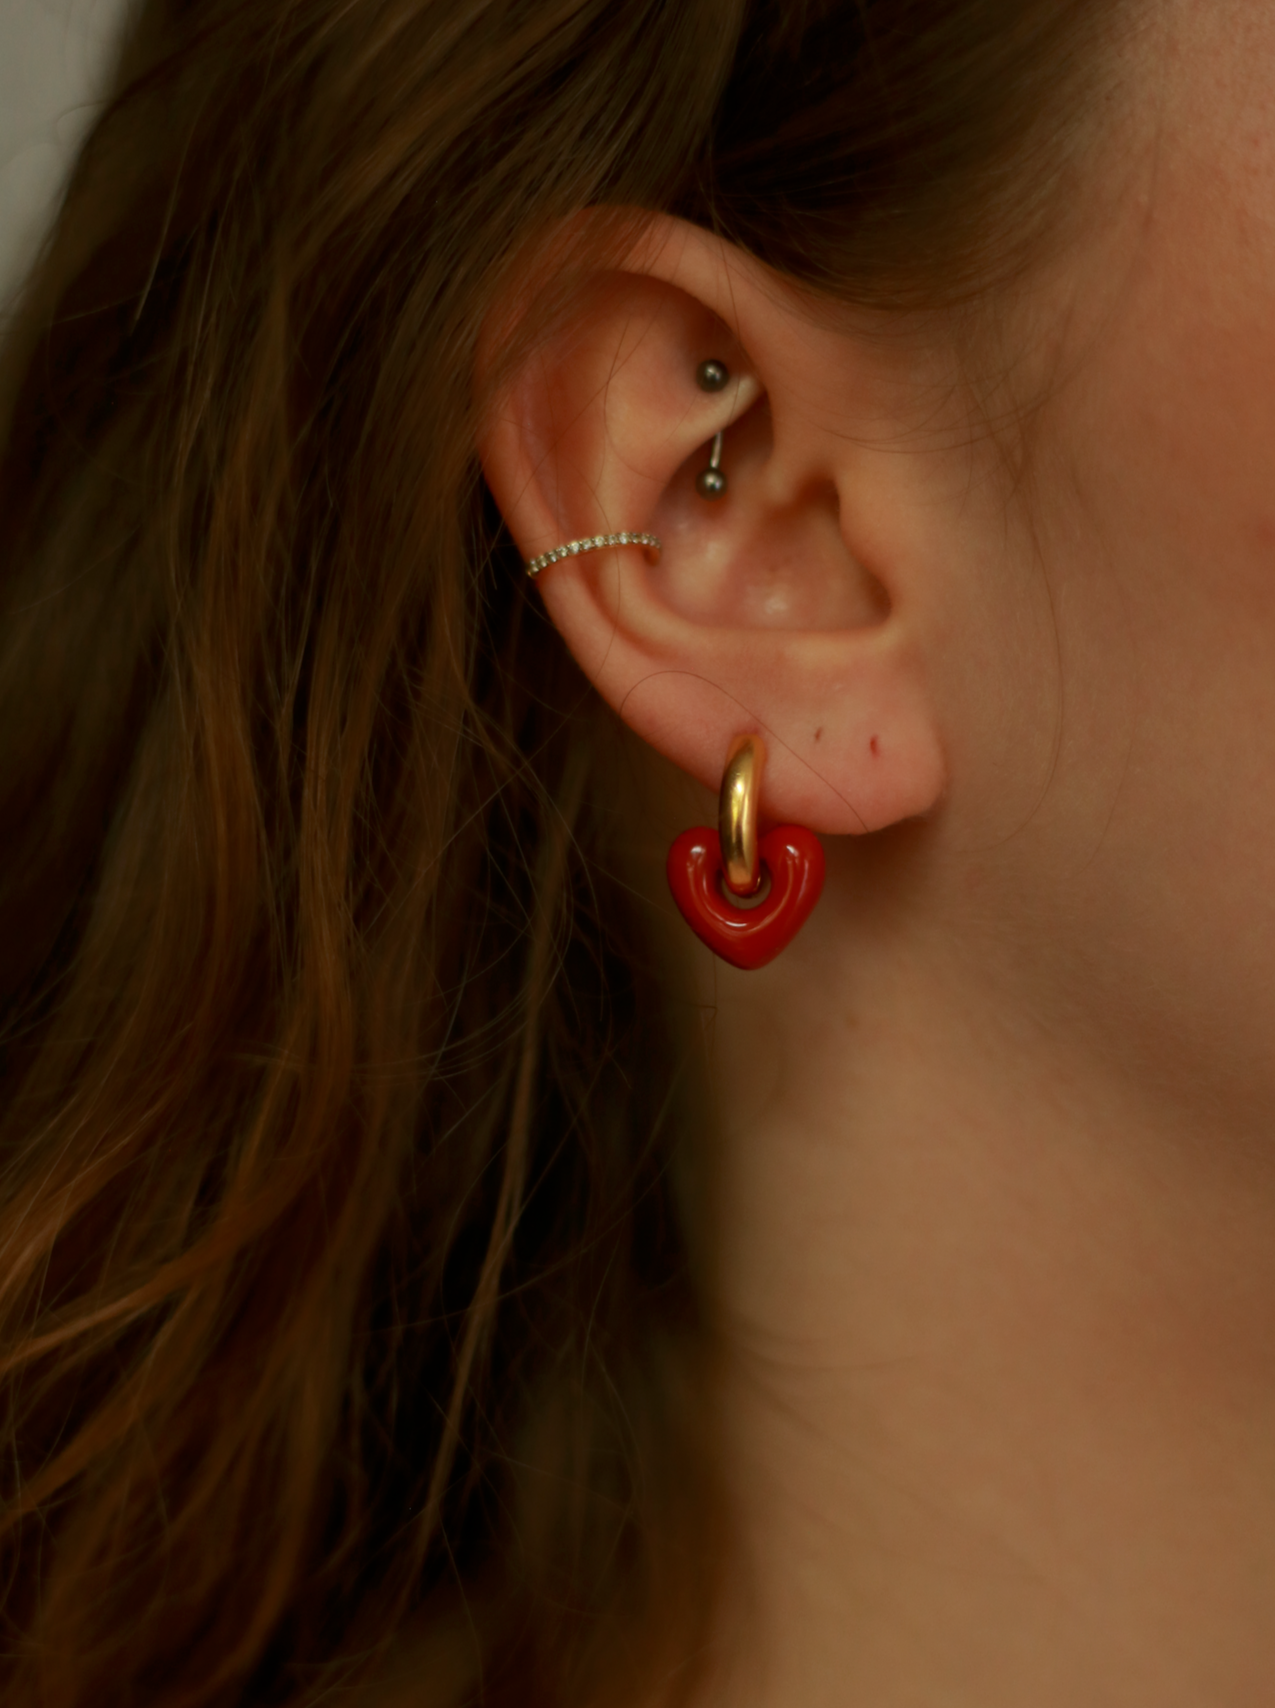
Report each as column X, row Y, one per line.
column 712, row 375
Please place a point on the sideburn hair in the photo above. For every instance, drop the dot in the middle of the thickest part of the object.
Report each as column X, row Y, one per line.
column 344, row 1292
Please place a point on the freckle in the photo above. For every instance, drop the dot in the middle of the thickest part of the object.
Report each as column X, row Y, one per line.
column 819, row 733
column 875, row 745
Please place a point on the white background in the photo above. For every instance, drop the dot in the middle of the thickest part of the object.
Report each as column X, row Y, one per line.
column 54, row 57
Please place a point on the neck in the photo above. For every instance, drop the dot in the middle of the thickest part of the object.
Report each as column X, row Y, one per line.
column 999, row 1378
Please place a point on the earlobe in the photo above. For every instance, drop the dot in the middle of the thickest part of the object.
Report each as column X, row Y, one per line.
column 759, row 614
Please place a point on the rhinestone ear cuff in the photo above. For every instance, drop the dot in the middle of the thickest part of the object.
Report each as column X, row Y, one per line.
column 650, row 543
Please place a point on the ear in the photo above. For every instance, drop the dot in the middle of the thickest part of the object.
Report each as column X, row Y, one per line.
column 773, row 609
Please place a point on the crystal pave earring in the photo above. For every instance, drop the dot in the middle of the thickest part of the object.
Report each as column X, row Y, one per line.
column 712, row 375
column 743, row 895
column 650, row 544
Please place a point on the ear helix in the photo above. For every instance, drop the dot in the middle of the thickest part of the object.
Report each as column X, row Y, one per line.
column 743, row 895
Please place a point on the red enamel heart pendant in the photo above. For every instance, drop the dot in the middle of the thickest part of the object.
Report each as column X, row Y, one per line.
column 750, row 933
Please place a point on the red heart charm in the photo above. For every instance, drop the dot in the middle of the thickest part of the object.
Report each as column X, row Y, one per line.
column 747, row 937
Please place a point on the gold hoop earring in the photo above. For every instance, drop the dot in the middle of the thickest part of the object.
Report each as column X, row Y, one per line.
column 743, row 895
column 737, row 814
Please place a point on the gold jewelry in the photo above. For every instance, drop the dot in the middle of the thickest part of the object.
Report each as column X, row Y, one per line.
column 596, row 543
column 737, row 814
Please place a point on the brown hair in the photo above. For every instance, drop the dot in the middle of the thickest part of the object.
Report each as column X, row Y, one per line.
column 339, row 1090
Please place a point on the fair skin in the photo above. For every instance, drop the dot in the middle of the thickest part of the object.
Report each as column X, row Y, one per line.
column 993, row 1182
